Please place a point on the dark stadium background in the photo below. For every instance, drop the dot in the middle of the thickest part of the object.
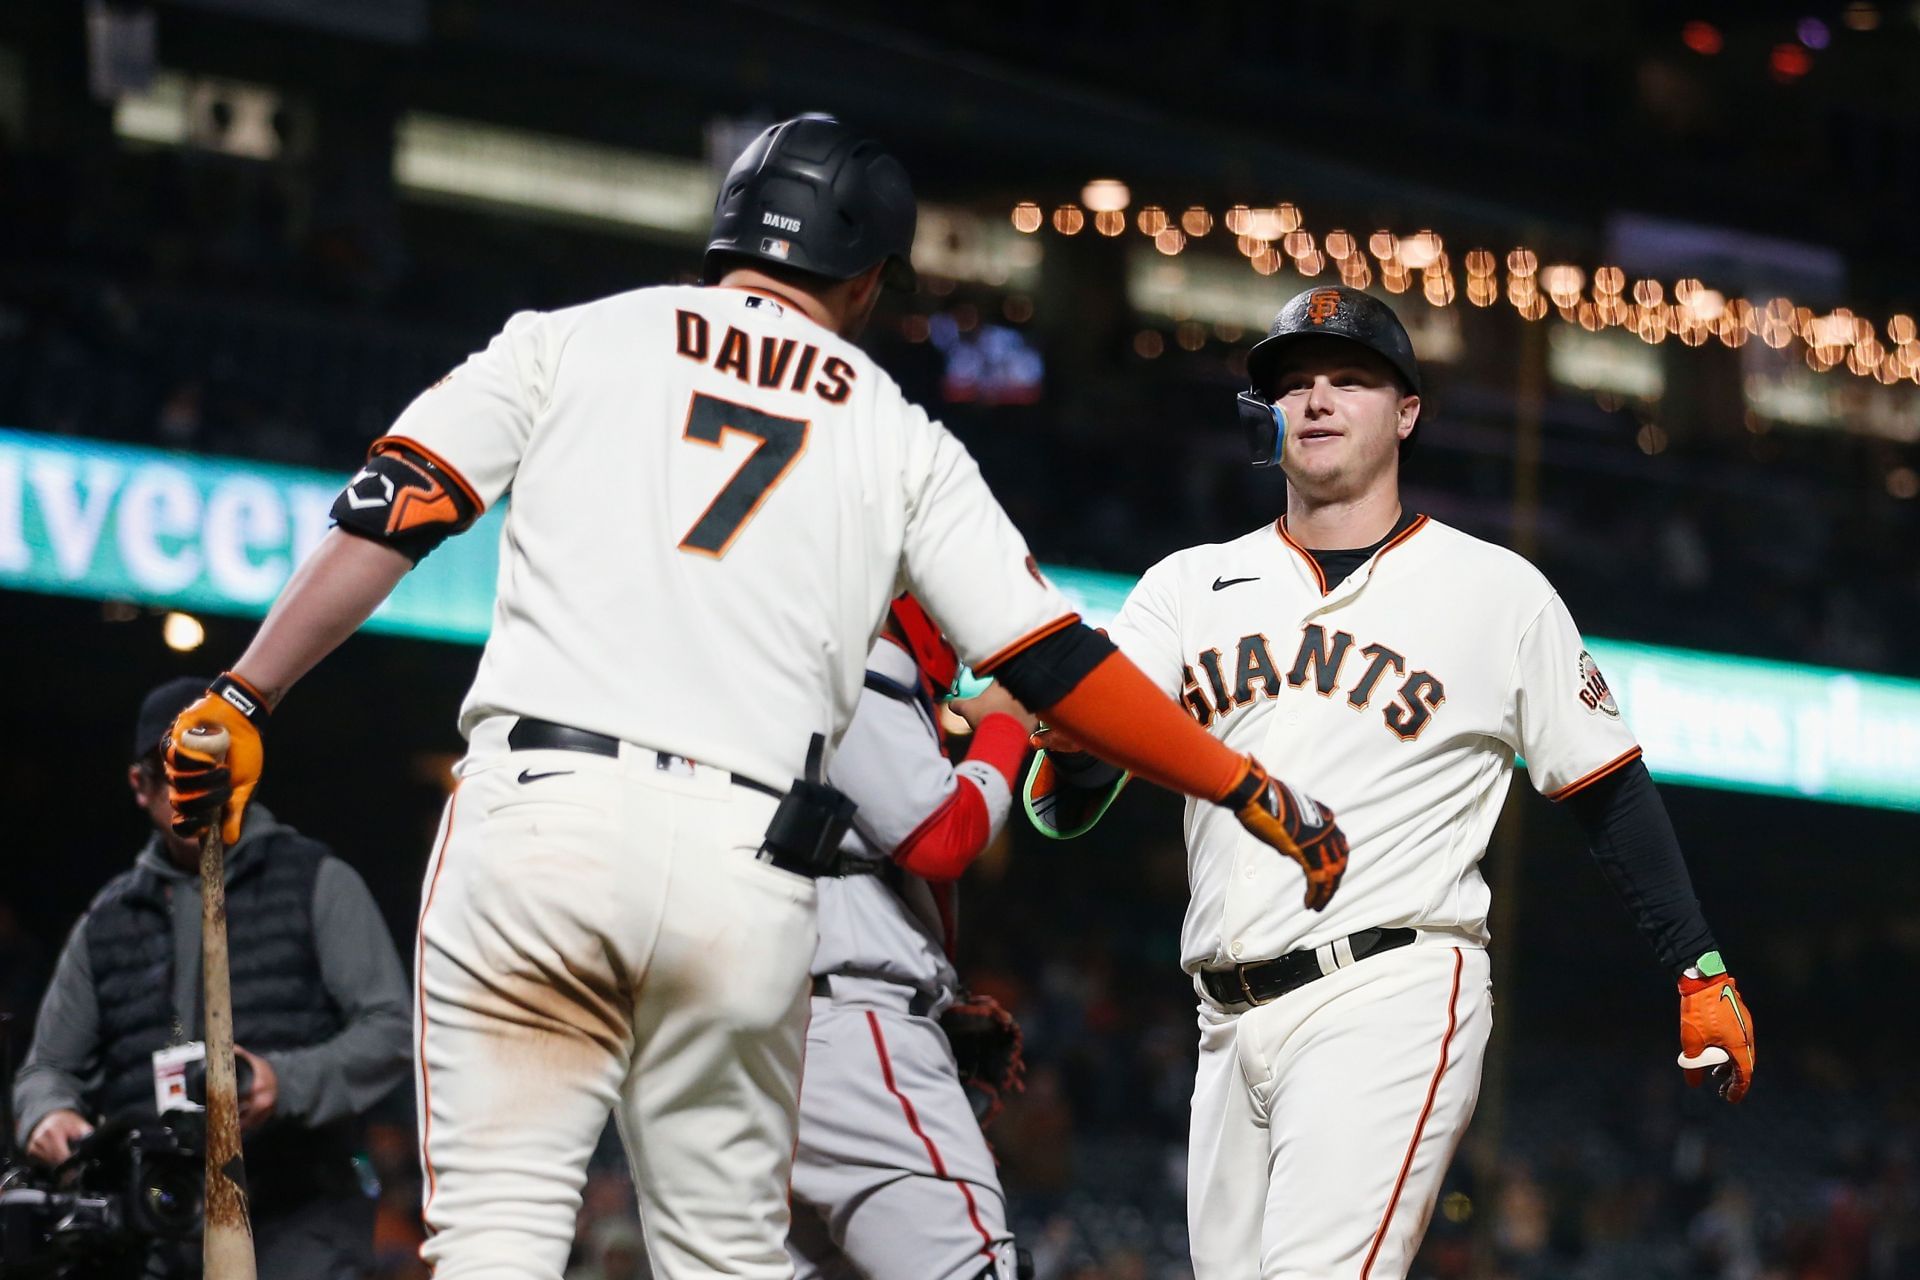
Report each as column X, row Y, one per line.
column 285, row 308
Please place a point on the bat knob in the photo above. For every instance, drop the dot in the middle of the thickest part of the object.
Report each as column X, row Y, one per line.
column 210, row 738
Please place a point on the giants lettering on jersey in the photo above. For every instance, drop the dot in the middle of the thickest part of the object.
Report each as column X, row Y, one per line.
column 1224, row 685
column 771, row 362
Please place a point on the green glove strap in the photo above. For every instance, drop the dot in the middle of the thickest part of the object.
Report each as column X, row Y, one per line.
column 1046, row 828
column 1710, row 965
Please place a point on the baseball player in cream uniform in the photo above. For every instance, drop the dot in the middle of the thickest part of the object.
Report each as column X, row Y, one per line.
column 1396, row 675
column 893, row 1179
column 715, row 495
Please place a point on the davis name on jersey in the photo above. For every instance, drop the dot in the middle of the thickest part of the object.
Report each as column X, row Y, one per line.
column 712, row 492
column 781, row 361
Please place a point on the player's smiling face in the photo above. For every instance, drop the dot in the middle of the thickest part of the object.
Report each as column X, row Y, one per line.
column 1346, row 415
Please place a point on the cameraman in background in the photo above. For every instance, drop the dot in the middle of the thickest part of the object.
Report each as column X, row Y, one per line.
column 320, row 1014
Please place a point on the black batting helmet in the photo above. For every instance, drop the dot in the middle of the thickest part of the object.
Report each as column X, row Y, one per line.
column 1329, row 311
column 811, row 194
column 1335, row 311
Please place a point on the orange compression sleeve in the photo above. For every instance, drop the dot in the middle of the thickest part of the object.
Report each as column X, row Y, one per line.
column 1117, row 713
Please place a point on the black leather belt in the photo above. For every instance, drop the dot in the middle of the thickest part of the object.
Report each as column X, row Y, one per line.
column 1260, row 981
column 920, row 1004
column 529, row 734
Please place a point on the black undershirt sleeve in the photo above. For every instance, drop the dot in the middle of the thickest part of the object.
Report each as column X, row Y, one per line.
column 1633, row 841
column 1045, row 672
column 1048, row 669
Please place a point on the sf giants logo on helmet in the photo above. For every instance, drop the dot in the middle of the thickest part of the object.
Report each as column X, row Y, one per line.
column 1323, row 305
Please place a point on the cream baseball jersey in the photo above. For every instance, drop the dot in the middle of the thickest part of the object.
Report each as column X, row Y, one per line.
column 1399, row 697
column 713, row 499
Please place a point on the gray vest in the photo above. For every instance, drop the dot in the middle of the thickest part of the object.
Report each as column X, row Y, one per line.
column 279, row 1000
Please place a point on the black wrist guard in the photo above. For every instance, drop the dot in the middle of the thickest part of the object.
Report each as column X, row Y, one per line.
column 242, row 697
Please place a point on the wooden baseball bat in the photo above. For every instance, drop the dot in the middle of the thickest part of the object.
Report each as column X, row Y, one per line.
column 227, row 1238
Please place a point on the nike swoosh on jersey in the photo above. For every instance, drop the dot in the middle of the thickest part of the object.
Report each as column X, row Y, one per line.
column 528, row 775
column 1222, row 583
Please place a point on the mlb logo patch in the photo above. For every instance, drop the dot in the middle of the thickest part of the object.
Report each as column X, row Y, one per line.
column 775, row 248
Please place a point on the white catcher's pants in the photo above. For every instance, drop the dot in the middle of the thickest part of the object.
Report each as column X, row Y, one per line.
column 601, row 939
column 1324, row 1122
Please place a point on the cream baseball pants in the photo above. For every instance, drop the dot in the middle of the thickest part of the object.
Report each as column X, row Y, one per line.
column 597, row 937
column 1324, row 1121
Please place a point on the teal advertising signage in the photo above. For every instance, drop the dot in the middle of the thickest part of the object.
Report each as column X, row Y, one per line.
column 115, row 522
column 185, row 531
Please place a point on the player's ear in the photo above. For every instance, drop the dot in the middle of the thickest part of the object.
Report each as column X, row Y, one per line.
column 860, row 295
column 867, row 286
column 1409, row 415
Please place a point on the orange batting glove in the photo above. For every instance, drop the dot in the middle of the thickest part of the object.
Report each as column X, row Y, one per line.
column 1716, row 1031
column 201, row 788
column 1296, row 825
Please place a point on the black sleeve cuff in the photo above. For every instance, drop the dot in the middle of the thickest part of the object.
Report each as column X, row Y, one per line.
column 1048, row 669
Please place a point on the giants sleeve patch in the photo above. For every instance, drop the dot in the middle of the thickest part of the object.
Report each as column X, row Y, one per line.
column 1595, row 696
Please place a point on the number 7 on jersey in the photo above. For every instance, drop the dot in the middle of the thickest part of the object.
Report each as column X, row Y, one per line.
column 782, row 441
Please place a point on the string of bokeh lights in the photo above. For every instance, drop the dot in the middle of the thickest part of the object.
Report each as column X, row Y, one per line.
column 1271, row 238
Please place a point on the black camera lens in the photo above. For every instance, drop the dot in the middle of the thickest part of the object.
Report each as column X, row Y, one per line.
column 172, row 1203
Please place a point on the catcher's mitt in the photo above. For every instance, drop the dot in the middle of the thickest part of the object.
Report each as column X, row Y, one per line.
column 986, row 1047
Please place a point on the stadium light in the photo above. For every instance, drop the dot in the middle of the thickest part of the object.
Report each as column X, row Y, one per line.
column 1105, row 195
column 183, row 632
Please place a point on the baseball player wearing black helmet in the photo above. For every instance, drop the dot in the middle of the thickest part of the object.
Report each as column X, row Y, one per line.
column 716, row 494
column 1339, row 313
column 809, row 195
column 1397, row 669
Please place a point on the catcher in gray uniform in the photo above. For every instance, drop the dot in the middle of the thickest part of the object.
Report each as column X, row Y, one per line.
column 893, row 1179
